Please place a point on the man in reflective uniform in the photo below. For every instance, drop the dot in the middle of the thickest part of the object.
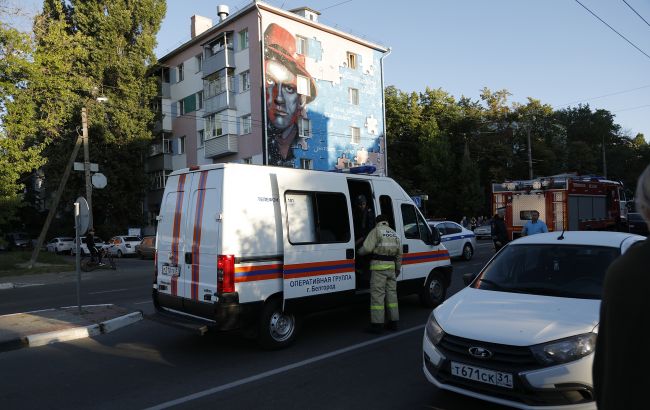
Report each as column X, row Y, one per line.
column 385, row 248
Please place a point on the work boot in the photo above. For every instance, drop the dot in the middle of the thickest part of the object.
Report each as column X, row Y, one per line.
column 392, row 325
column 375, row 328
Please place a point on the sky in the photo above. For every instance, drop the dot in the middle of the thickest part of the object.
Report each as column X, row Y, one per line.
column 555, row 51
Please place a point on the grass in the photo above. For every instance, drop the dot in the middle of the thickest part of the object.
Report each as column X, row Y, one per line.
column 12, row 263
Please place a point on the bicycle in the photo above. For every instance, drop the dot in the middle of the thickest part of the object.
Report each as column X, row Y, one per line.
column 89, row 263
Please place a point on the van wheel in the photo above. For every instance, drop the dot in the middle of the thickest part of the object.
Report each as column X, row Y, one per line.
column 468, row 252
column 434, row 291
column 277, row 328
column 119, row 253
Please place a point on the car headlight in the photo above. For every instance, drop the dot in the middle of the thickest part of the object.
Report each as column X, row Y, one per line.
column 433, row 330
column 565, row 350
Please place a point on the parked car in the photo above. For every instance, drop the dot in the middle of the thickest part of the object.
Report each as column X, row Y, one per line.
column 483, row 231
column 18, row 241
column 636, row 224
column 123, row 245
column 99, row 243
column 146, row 248
column 60, row 244
column 523, row 332
column 459, row 241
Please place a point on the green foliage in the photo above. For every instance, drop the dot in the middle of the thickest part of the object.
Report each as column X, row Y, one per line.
column 454, row 150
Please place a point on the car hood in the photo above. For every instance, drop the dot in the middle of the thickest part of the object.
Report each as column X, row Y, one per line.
column 514, row 318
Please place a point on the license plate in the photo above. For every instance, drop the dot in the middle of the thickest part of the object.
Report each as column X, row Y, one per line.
column 171, row 270
column 481, row 375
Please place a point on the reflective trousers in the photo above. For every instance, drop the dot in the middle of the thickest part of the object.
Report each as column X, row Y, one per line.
column 383, row 296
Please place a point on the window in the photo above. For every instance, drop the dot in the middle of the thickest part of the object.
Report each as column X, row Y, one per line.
column 219, row 82
column 199, row 100
column 245, row 81
column 200, row 138
column 181, row 107
column 243, row 39
column 220, row 44
column 181, row 145
column 181, row 72
column 386, row 207
column 353, row 95
column 304, row 86
column 352, row 61
column 158, row 179
column 199, row 62
column 414, row 225
column 306, row 163
column 302, row 46
column 315, row 217
column 304, row 128
column 355, row 132
column 213, row 126
column 246, row 124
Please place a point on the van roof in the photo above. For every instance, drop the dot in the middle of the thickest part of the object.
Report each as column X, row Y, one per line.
column 198, row 168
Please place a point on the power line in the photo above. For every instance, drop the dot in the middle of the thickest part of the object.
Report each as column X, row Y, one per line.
column 606, row 95
column 612, row 28
column 334, row 5
column 631, row 8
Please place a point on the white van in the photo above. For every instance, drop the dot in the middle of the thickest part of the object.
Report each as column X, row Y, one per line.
column 250, row 247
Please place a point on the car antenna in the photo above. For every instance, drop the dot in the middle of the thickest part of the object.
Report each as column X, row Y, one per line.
column 561, row 237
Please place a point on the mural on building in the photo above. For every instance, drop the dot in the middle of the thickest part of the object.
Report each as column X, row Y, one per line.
column 323, row 99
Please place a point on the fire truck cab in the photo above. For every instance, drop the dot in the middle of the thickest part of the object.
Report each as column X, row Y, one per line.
column 564, row 202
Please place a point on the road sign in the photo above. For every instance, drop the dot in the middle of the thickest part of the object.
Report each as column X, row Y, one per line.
column 79, row 166
column 99, row 180
column 84, row 215
column 417, row 200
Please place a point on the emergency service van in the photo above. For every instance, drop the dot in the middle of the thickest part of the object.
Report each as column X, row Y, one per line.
column 252, row 247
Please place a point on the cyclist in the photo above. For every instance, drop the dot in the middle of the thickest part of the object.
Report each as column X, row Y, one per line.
column 94, row 252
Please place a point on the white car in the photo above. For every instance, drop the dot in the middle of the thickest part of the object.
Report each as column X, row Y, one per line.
column 459, row 241
column 123, row 245
column 523, row 332
column 60, row 244
column 99, row 243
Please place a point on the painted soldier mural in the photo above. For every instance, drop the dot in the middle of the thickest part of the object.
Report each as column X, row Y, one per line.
column 289, row 88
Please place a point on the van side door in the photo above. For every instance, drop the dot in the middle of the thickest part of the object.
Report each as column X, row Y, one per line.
column 317, row 236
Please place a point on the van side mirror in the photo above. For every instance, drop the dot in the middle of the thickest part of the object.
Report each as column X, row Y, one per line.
column 435, row 236
column 469, row 278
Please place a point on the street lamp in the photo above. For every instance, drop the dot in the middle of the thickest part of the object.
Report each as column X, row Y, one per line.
column 89, row 186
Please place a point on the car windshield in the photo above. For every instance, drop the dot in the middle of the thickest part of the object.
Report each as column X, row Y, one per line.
column 573, row 271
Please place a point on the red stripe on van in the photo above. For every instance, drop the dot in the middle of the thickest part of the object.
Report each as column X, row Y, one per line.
column 176, row 231
column 196, row 241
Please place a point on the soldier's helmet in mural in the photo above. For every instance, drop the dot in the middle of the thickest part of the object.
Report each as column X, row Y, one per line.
column 281, row 46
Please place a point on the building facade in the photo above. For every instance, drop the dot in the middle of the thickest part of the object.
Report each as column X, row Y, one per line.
column 270, row 87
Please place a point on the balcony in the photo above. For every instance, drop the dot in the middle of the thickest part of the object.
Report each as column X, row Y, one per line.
column 221, row 146
column 222, row 101
column 165, row 90
column 223, row 59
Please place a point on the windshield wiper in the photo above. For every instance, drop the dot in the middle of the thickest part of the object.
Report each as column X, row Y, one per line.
column 493, row 283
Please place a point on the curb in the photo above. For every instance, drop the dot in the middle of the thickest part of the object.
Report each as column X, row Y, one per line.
column 6, row 285
column 81, row 332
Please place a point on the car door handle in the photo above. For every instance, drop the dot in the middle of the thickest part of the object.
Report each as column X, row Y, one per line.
column 349, row 254
column 188, row 258
column 405, row 249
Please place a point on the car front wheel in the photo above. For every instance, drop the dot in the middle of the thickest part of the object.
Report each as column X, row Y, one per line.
column 468, row 252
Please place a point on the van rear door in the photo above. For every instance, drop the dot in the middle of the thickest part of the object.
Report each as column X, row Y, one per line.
column 317, row 238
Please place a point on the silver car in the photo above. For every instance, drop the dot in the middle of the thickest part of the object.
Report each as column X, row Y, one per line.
column 483, row 231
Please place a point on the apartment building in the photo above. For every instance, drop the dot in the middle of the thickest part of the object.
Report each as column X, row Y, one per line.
column 268, row 86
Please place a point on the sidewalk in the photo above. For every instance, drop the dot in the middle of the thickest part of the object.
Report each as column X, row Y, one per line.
column 42, row 327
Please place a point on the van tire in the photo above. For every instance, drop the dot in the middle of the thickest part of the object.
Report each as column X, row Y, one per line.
column 468, row 252
column 434, row 291
column 277, row 328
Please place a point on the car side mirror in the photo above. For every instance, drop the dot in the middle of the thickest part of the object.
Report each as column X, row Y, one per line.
column 469, row 278
column 436, row 237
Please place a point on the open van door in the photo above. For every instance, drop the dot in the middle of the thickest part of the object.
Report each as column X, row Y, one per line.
column 317, row 238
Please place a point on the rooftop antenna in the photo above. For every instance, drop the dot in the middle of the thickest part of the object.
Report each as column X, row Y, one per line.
column 561, row 237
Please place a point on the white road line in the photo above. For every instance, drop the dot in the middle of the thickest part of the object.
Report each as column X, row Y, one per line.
column 109, row 291
column 142, row 303
column 279, row 370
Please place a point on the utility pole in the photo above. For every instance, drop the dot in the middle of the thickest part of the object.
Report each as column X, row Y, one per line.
column 530, row 157
column 604, row 159
column 89, row 187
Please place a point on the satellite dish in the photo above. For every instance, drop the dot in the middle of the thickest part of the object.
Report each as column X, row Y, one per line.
column 99, row 180
column 84, row 215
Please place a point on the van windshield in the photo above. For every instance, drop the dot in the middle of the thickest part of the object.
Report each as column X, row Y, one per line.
column 575, row 271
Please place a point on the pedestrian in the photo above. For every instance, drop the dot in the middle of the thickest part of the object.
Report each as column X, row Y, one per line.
column 385, row 248
column 464, row 222
column 363, row 218
column 620, row 367
column 499, row 232
column 472, row 224
column 92, row 248
column 535, row 225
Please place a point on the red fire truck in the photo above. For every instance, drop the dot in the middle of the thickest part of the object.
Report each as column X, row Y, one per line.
column 565, row 202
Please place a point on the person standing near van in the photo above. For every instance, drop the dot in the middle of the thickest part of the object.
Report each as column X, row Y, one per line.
column 385, row 248
column 535, row 225
column 364, row 220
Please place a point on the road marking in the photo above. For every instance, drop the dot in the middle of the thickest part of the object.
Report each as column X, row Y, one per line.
column 26, row 285
column 109, row 291
column 142, row 303
column 279, row 370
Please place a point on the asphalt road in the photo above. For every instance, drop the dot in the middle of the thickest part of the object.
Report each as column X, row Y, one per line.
column 332, row 365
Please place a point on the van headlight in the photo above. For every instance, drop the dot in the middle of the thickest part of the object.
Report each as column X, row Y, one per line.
column 433, row 330
column 565, row 350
